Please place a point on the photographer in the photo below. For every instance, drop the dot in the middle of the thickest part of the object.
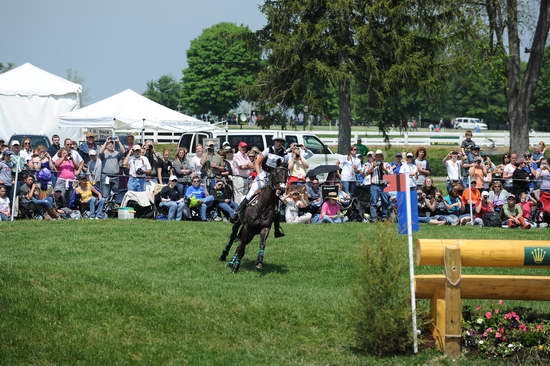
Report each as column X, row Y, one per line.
column 297, row 166
column 67, row 169
column 377, row 171
column 138, row 167
column 155, row 172
column 212, row 165
column 110, row 169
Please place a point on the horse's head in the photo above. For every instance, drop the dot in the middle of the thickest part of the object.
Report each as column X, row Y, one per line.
column 278, row 176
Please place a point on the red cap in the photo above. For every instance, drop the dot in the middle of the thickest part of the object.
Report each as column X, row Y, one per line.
column 243, row 144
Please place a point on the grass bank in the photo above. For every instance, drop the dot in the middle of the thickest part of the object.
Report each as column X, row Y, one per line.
column 146, row 292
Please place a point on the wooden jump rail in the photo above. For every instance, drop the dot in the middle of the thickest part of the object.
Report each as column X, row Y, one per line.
column 447, row 290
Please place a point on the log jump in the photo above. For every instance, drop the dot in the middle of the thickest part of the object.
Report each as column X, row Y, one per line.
column 447, row 290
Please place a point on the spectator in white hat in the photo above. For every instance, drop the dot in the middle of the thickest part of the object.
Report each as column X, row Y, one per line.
column 138, row 166
column 410, row 168
column 170, row 197
column 94, row 168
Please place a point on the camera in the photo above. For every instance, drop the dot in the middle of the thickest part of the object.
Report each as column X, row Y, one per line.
column 140, row 171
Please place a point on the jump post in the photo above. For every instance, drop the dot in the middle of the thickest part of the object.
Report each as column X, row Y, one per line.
column 447, row 290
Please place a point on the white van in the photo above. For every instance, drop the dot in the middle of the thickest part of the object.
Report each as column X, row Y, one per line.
column 467, row 123
column 322, row 155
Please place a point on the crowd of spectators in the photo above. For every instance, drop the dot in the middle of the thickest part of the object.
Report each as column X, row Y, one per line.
column 89, row 180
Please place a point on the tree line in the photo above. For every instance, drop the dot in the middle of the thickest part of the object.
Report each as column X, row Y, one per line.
column 381, row 61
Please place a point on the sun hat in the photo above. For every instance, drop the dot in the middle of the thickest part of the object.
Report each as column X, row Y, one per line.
column 92, row 152
column 278, row 136
column 332, row 195
column 379, row 152
column 90, row 134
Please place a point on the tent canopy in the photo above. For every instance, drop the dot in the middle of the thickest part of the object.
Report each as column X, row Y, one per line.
column 28, row 80
column 129, row 110
column 31, row 100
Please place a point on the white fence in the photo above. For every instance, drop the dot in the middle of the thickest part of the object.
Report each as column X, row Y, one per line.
column 487, row 139
column 426, row 138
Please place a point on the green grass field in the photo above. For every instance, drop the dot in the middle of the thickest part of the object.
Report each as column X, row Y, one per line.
column 153, row 293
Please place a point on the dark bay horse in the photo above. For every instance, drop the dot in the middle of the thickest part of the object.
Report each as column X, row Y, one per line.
column 256, row 219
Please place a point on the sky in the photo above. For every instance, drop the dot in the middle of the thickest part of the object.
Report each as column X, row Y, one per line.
column 113, row 44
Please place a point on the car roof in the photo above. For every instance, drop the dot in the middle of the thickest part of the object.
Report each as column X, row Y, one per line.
column 257, row 132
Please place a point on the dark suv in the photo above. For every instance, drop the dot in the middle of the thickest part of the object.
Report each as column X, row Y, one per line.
column 36, row 140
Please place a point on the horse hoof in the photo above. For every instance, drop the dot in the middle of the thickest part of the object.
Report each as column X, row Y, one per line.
column 259, row 266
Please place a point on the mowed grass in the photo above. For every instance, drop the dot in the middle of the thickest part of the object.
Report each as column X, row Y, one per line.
column 153, row 293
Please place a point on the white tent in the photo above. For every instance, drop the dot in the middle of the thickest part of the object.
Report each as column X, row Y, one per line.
column 130, row 110
column 31, row 99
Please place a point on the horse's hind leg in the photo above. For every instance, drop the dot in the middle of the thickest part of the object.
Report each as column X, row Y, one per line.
column 234, row 232
column 264, row 233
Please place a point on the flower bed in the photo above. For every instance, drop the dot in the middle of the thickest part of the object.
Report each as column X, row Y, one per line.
column 500, row 332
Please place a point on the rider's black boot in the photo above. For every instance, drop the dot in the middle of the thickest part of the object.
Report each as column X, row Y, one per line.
column 239, row 211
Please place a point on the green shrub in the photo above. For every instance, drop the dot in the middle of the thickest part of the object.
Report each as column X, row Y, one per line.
column 383, row 314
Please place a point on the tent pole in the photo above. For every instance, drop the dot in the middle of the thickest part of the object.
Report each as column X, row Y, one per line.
column 143, row 132
column 14, row 187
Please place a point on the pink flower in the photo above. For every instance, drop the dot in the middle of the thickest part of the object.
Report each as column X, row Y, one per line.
column 501, row 330
column 488, row 330
column 540, row 326
column 498, row 335
column 522, row 327
column 508, row 316
column 478, row 308
column 497, row 311
column 488, row 315
column 500, row 302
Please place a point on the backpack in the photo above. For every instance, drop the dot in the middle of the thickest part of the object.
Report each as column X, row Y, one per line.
column 491, row 219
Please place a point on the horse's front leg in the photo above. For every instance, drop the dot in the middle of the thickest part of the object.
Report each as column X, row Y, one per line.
column 264, row 233
column 234, row 232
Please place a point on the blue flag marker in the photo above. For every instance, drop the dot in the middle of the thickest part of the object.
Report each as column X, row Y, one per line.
column 402, row 211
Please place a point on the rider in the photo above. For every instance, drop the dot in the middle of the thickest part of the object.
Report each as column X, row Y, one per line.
column 265, row 161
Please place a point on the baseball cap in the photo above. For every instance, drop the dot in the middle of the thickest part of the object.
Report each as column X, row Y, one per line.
column 398, row 155
column 454, row 152
column 370, row 153
column 227, row 148
column 90, row 134
column 8, row 152
column 173, row 177
column 136, row 147
column 410, row 155
column 476, row 147
column 484, row 193
column 379, row 152
column 512, row 197
column 92, row 152
column 243, row 144
column 15, row 142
